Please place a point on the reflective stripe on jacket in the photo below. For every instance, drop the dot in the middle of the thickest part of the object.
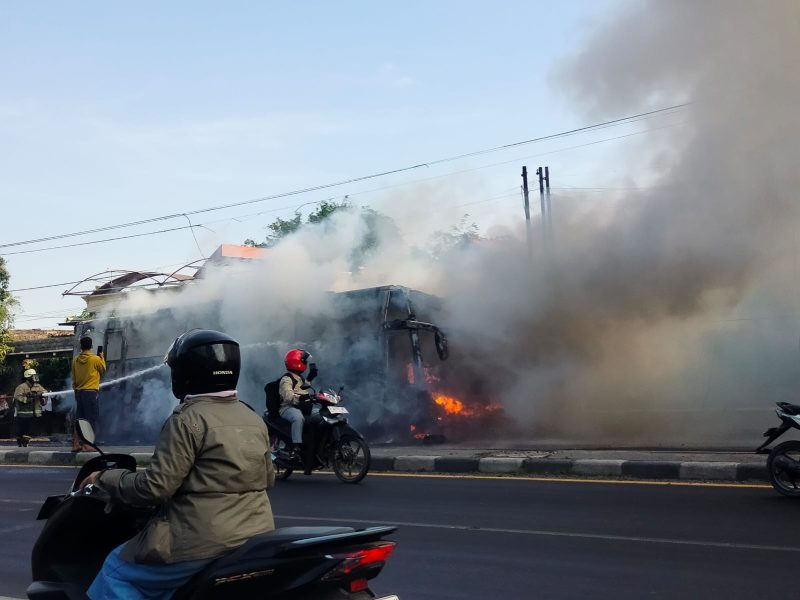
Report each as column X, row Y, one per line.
column 28, row 400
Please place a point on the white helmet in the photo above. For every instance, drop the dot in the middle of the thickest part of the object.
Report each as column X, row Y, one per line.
column 29, row 373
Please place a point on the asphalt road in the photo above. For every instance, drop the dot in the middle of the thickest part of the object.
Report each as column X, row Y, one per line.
column 503, row 538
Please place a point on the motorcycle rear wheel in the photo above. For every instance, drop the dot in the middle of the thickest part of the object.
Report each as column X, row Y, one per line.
column 351, row 459
column 784, row 482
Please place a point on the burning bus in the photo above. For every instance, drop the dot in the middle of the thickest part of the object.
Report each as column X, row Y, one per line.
column 381, row 343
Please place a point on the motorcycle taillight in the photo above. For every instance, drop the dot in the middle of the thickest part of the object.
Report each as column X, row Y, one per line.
column 359, row 560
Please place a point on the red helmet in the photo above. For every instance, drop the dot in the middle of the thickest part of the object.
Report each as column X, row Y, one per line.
column 296, row 360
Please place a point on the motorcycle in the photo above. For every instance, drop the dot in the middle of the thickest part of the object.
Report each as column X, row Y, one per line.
column 292, row 563
column 330, row 442
column 783, row 462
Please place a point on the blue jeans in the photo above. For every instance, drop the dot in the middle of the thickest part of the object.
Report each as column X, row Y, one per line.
column 295, row 417
column 87, row 406
column 122, row 580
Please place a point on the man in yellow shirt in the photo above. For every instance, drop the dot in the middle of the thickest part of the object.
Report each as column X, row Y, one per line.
column 86, row 371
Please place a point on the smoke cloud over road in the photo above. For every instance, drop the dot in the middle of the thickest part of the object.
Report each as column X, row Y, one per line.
column 669, row 316
column 646, row 320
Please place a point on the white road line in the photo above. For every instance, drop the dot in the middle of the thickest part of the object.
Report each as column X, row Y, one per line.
column 564, row 534
column 19, row 527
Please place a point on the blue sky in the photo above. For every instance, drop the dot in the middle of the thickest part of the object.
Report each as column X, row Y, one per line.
column 112, row 112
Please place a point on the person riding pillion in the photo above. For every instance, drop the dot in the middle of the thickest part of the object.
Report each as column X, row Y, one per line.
column 28, row 402
column 294, row 390
column 208, row 477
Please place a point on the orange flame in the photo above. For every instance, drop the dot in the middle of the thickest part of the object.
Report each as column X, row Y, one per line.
column 451, row 405
column 454, row 406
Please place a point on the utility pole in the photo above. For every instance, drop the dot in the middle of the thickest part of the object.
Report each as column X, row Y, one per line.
column 544, row 201
column 547, row 202
column 527, row 210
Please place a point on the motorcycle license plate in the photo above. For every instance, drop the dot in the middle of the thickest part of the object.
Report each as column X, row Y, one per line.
column 338, row 410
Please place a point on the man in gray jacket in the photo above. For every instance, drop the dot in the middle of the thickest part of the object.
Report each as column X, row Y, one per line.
column 209, row 475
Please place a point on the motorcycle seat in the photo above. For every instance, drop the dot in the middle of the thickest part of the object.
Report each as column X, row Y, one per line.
column 258, row 548
column 280, row 424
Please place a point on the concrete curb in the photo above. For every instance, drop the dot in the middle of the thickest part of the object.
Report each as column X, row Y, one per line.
column 489, row 465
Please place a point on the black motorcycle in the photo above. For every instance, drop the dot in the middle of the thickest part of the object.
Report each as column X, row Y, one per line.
column 783, row 462
column 294, row 563
column 330, row 442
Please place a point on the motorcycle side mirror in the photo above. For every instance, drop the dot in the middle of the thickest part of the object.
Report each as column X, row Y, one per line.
column 85, row 431
column 442, row 348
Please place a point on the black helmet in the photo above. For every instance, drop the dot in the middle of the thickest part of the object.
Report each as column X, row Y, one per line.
column 203, row 361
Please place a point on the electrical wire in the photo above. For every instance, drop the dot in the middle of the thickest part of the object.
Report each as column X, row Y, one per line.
column 584, row 129
column 245, row 217
column 114, row 239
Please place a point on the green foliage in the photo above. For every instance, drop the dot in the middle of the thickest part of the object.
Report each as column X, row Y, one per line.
column 7, row 304
column 459, row 236
column 378, row 228
column 280, row 228
column 325, row 209
column 53, row 372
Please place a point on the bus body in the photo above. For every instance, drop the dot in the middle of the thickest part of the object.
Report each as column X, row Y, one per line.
column 380, row 343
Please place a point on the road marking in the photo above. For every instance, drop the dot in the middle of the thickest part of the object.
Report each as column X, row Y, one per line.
column 575, row 480
column 32, row 466
column 18, row 528
column 487, row 476
column 566, row 534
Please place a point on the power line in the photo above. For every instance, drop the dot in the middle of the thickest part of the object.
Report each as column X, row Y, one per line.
column 238, row 218
column 613, row 122
column 122, row 237
column 41, row 287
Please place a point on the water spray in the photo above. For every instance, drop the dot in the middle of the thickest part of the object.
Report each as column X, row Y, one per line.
column 113, row 382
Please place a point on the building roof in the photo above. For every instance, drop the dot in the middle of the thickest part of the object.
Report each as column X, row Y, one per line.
column 226, row 251
column 26, row 335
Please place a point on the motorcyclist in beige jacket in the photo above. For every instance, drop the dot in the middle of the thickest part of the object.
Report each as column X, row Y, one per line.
column 209, row 475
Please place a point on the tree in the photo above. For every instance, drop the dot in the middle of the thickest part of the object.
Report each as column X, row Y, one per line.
column 280, row 228
column 325, row 209
column 7, row 304
column 459, row 236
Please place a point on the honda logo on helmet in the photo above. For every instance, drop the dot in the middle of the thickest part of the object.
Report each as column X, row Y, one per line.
column 222, row 373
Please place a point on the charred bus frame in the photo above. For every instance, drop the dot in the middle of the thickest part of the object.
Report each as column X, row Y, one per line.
column 375, row 321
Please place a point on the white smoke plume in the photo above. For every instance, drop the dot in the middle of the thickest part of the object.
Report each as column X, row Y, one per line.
column 643, row 323
column 669, row 317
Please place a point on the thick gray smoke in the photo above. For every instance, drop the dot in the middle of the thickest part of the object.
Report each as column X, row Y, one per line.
column 670, row 317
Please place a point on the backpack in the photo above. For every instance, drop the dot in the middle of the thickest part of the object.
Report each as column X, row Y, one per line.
column 272, row 390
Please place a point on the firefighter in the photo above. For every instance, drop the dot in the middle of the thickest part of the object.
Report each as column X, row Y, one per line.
column 295, row 394
column 28, row 401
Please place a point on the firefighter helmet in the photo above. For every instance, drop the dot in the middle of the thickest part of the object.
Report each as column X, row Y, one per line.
column 29, row 374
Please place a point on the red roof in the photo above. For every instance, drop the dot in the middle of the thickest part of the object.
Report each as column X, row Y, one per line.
column 234, row 251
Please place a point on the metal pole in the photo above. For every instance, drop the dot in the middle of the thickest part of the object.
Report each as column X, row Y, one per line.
column 540, row 173
column 547, row 202
column 527, row 209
